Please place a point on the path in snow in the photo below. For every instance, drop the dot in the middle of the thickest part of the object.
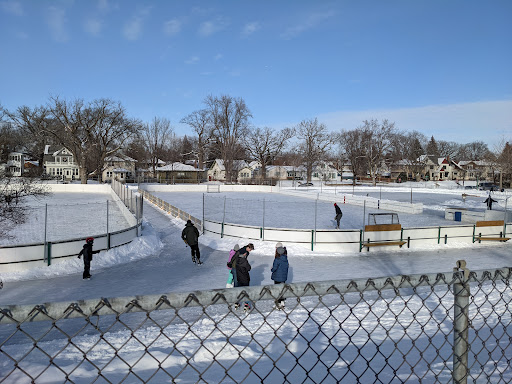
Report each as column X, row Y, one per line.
column 170, row 268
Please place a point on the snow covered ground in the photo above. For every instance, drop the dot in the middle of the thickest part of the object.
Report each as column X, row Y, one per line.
column 158, row 262
column 67, row 215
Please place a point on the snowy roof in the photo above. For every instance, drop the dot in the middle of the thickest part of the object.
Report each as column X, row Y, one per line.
column 119, row 158
column 237, row 164
column 120, row 170
column 178, row 167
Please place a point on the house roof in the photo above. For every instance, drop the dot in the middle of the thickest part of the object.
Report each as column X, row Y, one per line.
column 119, row 158
column 178, row 167
column 237, row 164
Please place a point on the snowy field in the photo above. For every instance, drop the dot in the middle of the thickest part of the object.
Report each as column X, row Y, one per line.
column 158, row 262
column 67, row 216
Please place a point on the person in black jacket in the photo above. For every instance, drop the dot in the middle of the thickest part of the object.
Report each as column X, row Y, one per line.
column 242, row 268
column 338, row 216
column 489, row 202
column 87, row 253
column 190, row 236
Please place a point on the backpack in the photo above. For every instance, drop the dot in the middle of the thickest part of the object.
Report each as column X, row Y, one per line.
column 232, row 262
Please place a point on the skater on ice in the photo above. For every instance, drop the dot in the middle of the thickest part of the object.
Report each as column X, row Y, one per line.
column 489, row 202
column 280, row 270
column 242, row 267
column 190, row 236
column 231, row 278
column 338, row 216
column 87, row 253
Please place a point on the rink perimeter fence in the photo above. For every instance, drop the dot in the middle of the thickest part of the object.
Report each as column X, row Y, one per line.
column 217, row 210
column 434, row 328
column 114, row 222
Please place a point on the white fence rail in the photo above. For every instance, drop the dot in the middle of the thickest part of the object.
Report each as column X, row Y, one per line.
column 21, row 257
column 336, row 240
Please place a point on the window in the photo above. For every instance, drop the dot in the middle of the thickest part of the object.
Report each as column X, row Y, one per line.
column 109, row 174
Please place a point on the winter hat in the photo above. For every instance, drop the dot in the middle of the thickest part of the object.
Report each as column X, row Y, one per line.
column 189, row 222
column 280, row 250
column 236, row 247
column 335, row 204
column 89, row 240
column 279, row 245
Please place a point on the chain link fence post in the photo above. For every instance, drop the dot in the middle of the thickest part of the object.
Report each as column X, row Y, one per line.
column 461, row 293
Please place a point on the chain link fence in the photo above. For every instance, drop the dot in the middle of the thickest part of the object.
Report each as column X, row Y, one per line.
column 435, row 328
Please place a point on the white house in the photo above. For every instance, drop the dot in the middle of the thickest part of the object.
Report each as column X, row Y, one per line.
column 324, row 171
column 441, row 168
column 180, row 173
column 60, row 164
column 15, row 163
column 217, row 170
column 118, row 167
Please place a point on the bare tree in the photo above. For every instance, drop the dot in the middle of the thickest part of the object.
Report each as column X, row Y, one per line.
column 13, row 192
column 200, row 121
column 90, row 131
column 448, row 149
column 230, row 119
column 314, row 142
column 264, row 144
column 377, row 137
column 353, row 148
column 157, row 137
column 33, row 125
column 501, row 160
column 407, row 150
column 10, row 140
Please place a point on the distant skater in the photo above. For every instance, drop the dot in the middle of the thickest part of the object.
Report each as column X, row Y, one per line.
column 280, row 270
column 338, row 216
column 87, row 253
column 489, row 202
column 190, row 236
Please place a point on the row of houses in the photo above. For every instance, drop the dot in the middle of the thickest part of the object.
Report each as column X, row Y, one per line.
column 60, row 163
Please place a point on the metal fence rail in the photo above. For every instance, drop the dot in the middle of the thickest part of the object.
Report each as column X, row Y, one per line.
column 434, row 328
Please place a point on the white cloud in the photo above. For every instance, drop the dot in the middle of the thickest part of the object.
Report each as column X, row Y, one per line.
column 487, row 121
column 310, row 22
column 56, row 20
column 133, row 28
column 218, row 56
column 93, row 26
column 251, row 28
column 172, row 27
column 13, row 7
column 104, row 5
column 192, row 60
column 208, row 28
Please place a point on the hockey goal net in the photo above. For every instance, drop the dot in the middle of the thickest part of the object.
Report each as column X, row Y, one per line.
column 213, row 188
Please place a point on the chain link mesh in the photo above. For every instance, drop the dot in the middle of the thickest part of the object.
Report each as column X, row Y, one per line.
column 388, row 330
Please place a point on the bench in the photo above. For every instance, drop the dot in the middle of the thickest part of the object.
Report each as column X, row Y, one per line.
column 383, row 243
column 495, row 223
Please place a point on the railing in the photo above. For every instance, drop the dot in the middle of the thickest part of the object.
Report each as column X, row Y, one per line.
column 171, row 209
column 435, row 328
column 48, row 242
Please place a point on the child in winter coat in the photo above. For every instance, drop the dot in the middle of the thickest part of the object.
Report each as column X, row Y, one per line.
column 231, row 280
column 280, row 269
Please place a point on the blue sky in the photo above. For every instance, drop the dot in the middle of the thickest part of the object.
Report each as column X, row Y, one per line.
column 436, row 66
